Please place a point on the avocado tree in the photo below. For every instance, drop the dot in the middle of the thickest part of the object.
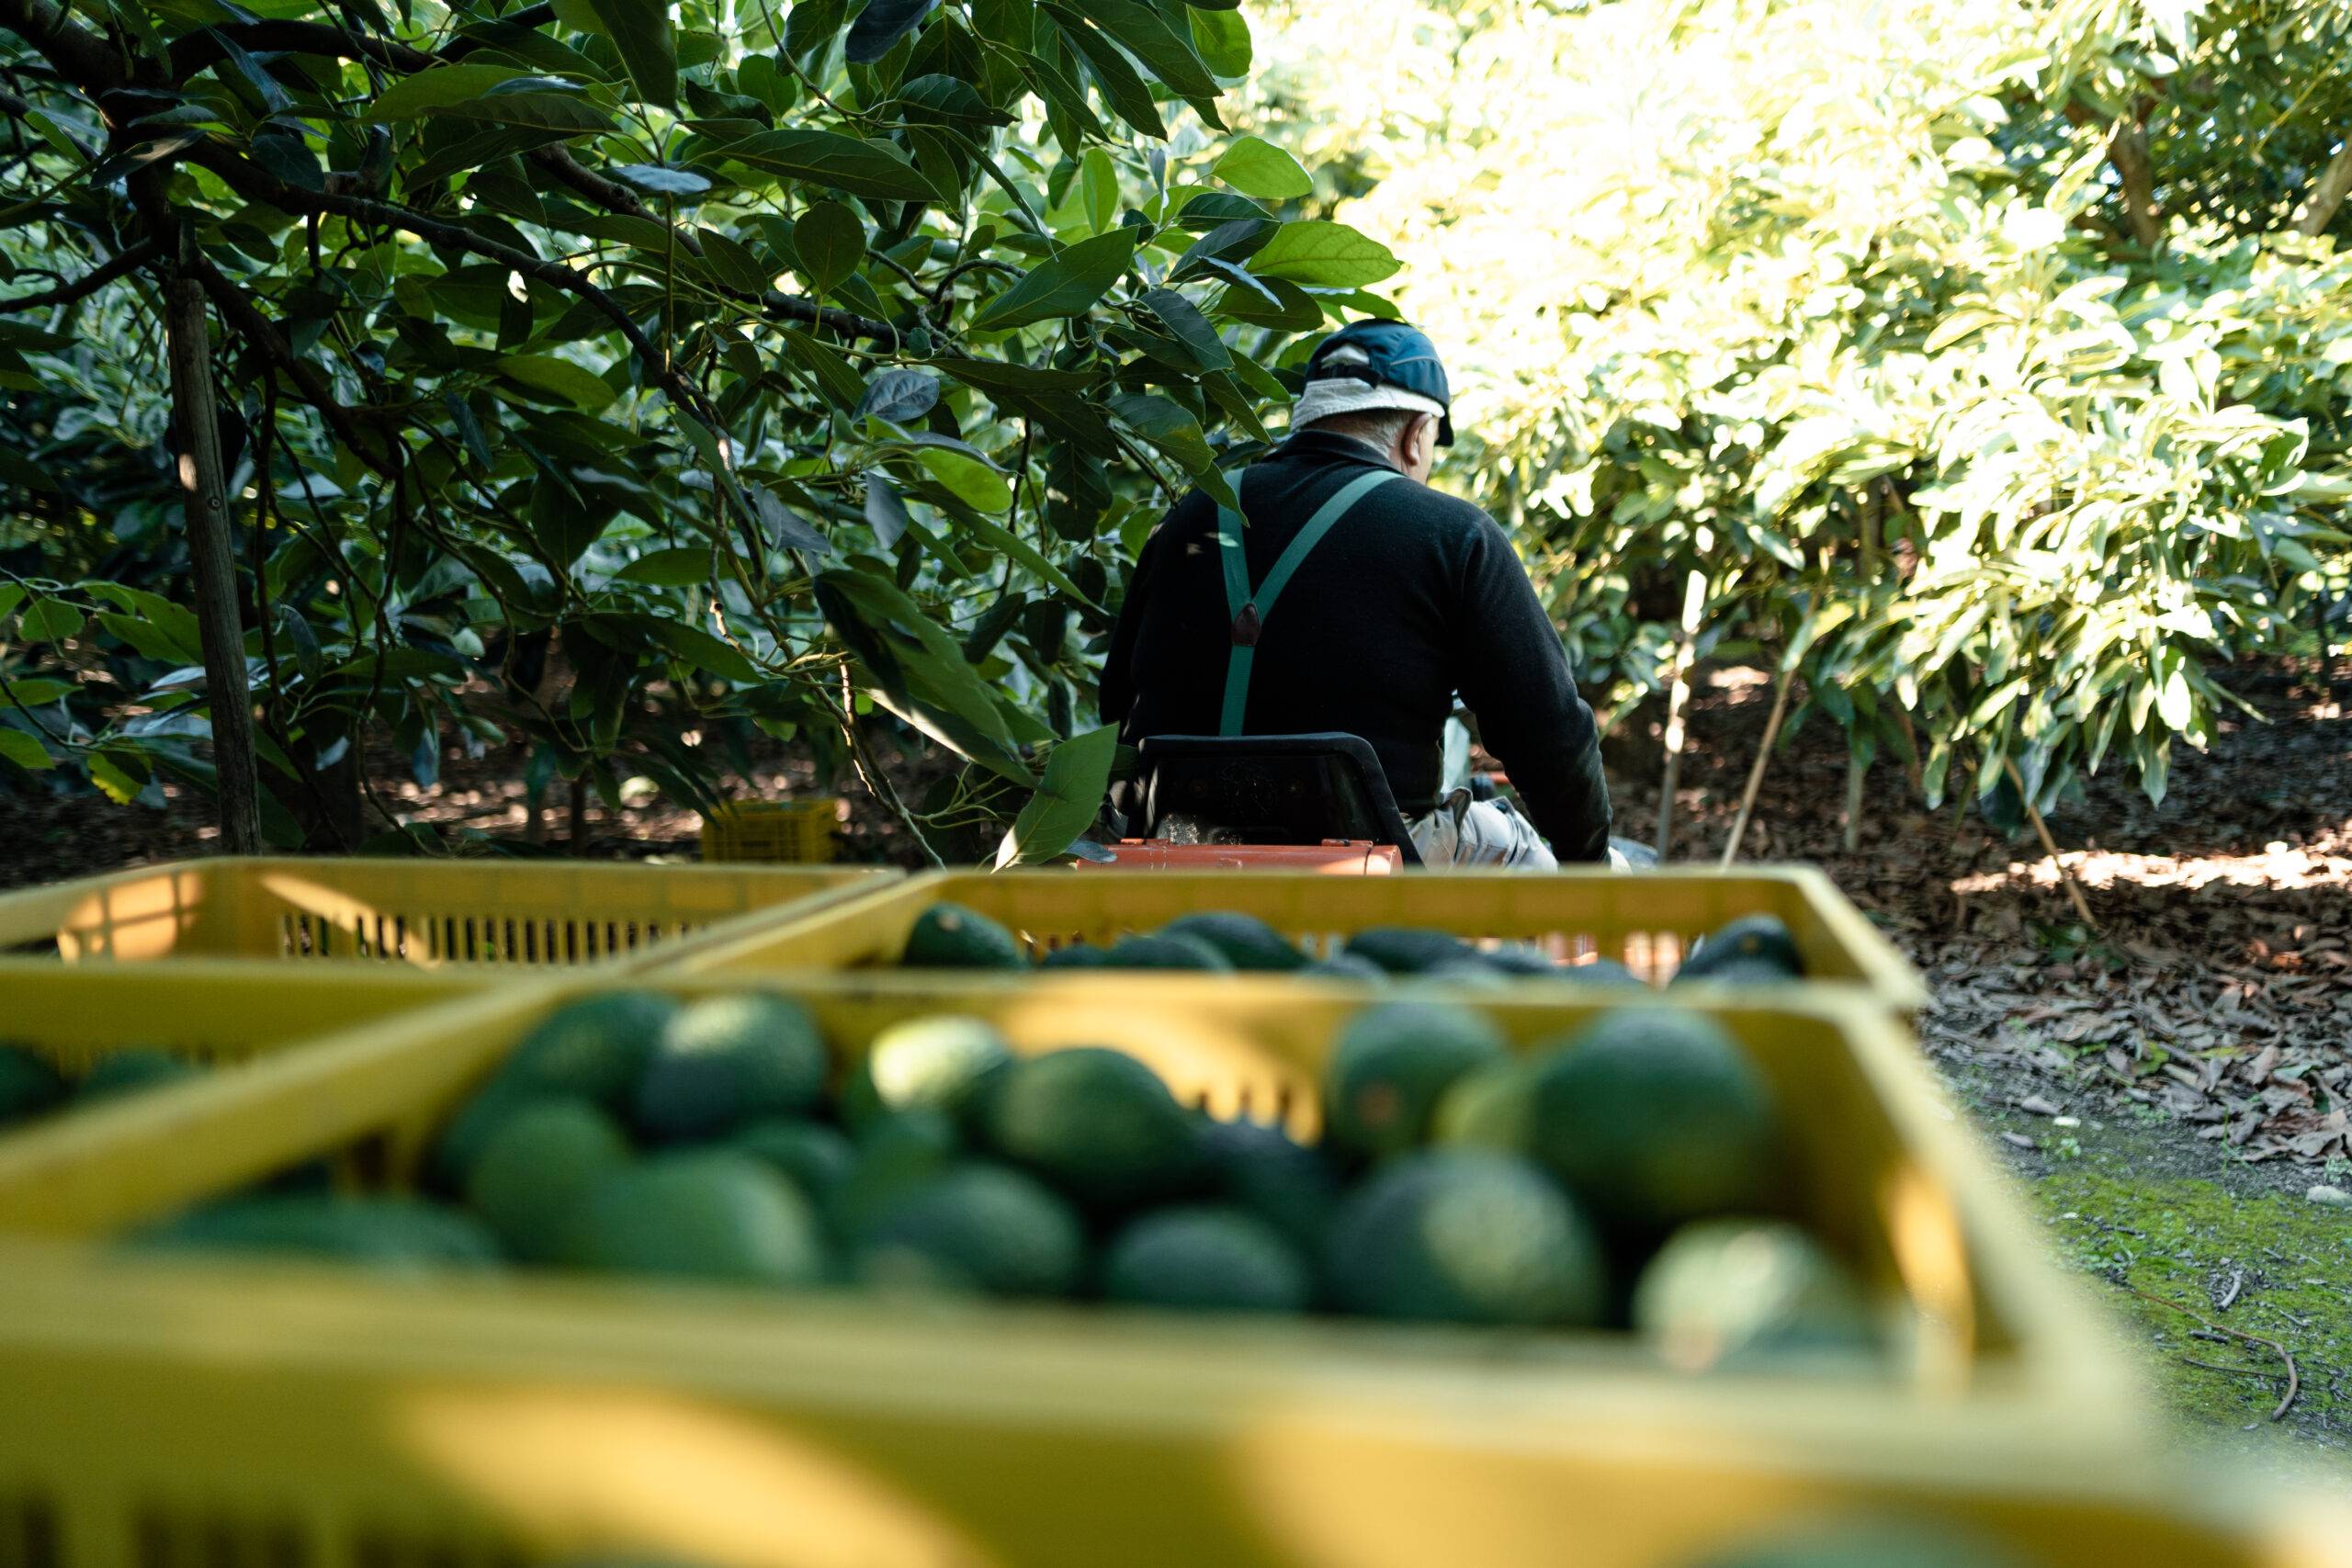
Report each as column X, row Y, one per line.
column 1985, row 368
column 627, row 376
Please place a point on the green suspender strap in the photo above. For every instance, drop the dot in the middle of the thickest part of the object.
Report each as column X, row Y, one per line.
column 1250, row 609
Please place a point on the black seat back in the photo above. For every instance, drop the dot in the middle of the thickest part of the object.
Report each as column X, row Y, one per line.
column 1265, row 789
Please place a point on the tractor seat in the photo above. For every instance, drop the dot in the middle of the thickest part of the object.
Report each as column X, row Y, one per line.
column 1264, row 789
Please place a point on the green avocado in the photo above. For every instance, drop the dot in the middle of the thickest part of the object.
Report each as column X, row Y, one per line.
column 1096, row 1123
column 1206, row 1259
column 1164, row 951
column 1654, row 1117
column 1391, row 1064
column 1750, row 940
column 943, row 1061
column 949, row 936
column 716, row 1214
column 817, row 1158
column 1720, row 1290
column 1247, row 942
column 539, row 1165
column 595, row 1048
column 29, row 1084
column 1404, row 950
column 974, row 1227
column 725, row 1060
column 1265, row 1171
column 1463, row 1235
column 130, row 1071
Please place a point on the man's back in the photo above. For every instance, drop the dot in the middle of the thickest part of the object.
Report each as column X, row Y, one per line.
column 1411, row 597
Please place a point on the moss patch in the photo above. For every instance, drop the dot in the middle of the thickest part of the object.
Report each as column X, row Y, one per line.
column 2153, row 1208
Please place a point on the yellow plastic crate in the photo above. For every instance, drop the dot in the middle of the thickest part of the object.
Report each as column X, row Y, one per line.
column 1890, row 1181
column 421, row 912
column 788, row 832
column 152, row 1418
column 216, row 1013
column 1645, row 920
column 310, row 1416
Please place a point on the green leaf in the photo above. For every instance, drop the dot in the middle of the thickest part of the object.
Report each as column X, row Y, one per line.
column 24, row 750
column 1164, row 423
column 734, row 264
column 998, row 376
column 1065, row 285
column 703, row 650
column 412, row 97
column 1188, row 326
column 1222, row 39
column 1002, row 540
column 972, row 479
column 1168, row 54
column 831, row 242
column 1129, row 98
column 640, row 31
column 1098, row 186
column 880, row 25
column 844, row 163
column 176, row 625
column 680, row 567
column 661, row 179
column 836, row 377
column 1320, row 252
column 899, row 396
column 1270, row 302
column 557, row 377
column 32, row 690
column 50, row 620
column 917, row 669
column 1257, row 167
column 1068, row 798
column 149, row 640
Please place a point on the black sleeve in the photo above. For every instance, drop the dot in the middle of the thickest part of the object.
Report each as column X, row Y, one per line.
column 1115, row 692
column 1514, row 674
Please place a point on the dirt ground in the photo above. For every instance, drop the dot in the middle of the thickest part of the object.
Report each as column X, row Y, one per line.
column 2170, row 1083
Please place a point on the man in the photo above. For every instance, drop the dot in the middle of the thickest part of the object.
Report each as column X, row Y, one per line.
column 1354, row 598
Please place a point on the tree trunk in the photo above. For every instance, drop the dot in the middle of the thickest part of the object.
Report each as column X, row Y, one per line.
column 578, row 829
column 1678, row 700
column 205, row 503
column 2327, row 195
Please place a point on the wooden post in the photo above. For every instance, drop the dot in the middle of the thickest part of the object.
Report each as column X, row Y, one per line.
column 1850, row 831
column 1756, row 772
column 205, row 501
column 1678, row 699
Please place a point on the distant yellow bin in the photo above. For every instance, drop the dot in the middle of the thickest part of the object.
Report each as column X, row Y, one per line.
column 152, row 1410
column 416, row 911
column 1644, row 920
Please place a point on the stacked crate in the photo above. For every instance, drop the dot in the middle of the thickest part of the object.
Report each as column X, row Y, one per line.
column 154, row 1412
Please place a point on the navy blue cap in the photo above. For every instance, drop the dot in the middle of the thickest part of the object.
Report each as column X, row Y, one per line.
column 1395, row 353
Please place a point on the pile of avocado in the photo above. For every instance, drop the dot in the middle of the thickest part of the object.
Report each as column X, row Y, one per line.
column 1752, row 950
column 1623, row 1174
column 31, row 1086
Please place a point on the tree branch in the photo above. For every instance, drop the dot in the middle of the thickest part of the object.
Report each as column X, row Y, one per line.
column 2127, row 148
column 2328, row 192
column 615, row 197
column 250, row 181
column 198, row 50
column 90, row 283
column 246, row 319
column 81, row 56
